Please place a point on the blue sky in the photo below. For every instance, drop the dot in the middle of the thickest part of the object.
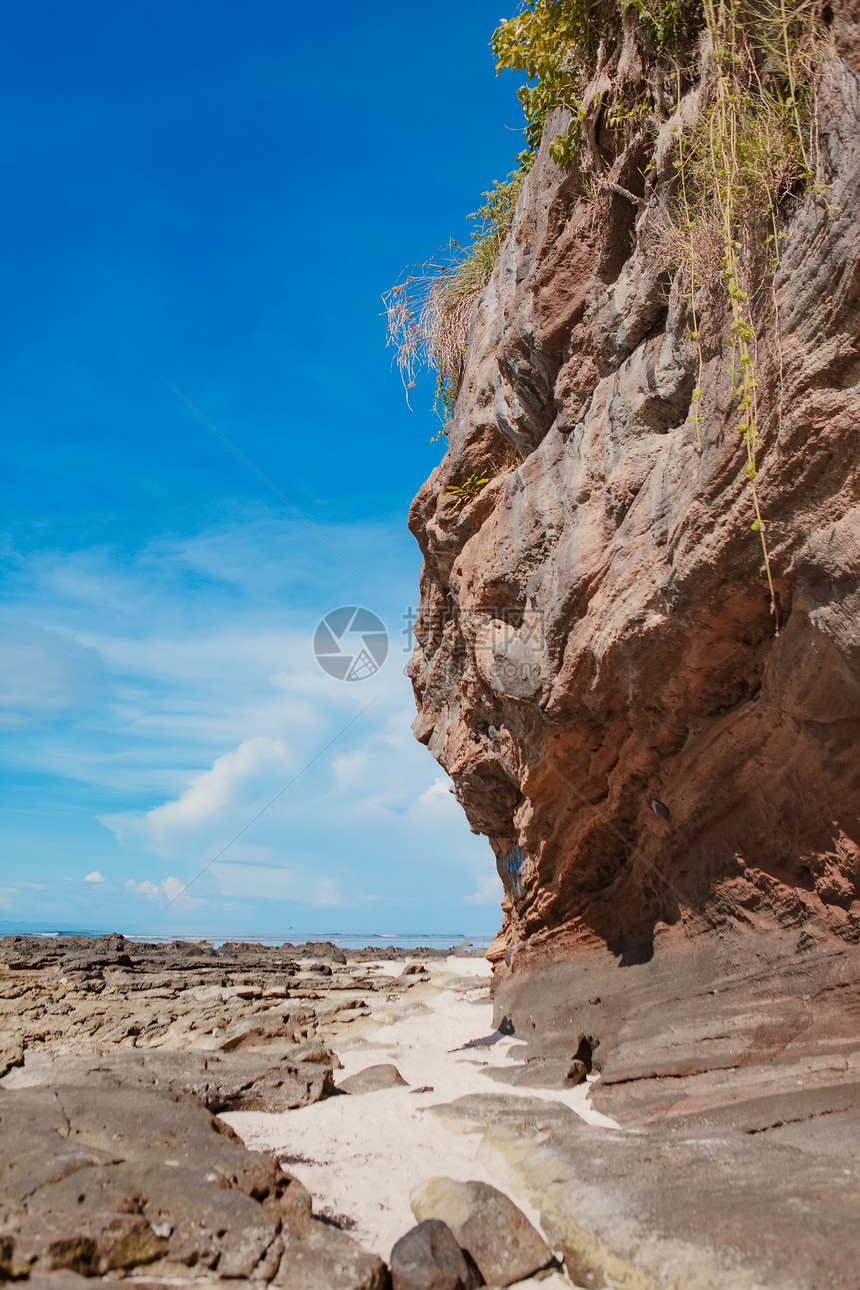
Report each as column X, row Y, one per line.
column 217, row 197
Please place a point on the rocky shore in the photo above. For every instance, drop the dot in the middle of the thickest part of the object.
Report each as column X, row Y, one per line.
column 118, row 1060
column 191, row 1115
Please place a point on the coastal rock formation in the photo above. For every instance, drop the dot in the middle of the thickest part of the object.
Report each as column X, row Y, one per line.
column 117, row 1164
column 644, row 743
column 107, row 1180
column 735, row 1080
column 664, row 764
column 116, row 1056
column 241, row 1027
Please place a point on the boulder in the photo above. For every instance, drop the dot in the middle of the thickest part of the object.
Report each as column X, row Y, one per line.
column 372, row 1079
column 282, row 1088
column 429, row 1258
column 487, row 1225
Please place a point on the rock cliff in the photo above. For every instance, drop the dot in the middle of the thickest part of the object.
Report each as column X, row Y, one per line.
column 649, row 749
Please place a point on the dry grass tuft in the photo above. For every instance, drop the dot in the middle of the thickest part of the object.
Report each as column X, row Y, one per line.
column 429, row 310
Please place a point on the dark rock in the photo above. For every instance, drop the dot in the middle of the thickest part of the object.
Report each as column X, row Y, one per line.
column 372, row 1079
column 585, row 1049
column 487, row 1225
column 320, row 950
column 197, row 951
column 429, row 1258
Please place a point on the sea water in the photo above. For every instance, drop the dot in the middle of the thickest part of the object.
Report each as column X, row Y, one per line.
column 290, row 935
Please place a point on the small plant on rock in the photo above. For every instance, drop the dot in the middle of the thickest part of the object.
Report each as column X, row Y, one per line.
column 468, row 490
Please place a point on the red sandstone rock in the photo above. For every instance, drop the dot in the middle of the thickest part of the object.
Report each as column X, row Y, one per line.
column 601, row 606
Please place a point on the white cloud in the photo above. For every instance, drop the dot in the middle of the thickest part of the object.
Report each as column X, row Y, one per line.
column 173, row 888
column 233, row 778
column 46, row 673
column 146, row 888
column 489, row 889
column 351, row 769
column 211, row 703
column 167, row 891
column 438, row 795
column 95, row 876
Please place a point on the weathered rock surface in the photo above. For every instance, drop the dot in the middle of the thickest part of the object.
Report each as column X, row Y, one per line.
column 317, row 1257
column 684, row 1204
column 97, row 1180
column 429, row 1258
column 372, row 1078
column 115, row 1057
column 658, row 754
column 222, row 1082
column 102, row 996
column 737, row 1067
column 498, row 1237
column 670, row 787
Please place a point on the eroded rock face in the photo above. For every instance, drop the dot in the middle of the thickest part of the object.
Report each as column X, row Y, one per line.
column 597, row 666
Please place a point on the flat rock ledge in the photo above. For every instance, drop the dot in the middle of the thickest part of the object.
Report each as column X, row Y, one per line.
column 114, row 1166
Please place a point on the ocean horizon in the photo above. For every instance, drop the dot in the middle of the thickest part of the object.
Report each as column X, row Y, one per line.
column 289, row 936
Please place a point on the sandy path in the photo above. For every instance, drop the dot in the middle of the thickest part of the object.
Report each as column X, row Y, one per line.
column 359, row 1156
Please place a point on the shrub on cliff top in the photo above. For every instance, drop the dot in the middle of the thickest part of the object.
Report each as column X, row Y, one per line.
column 747, row 145
column 559, row 44
column 555, row 42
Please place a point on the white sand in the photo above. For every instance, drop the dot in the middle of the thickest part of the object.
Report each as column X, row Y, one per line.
column 361, row 1155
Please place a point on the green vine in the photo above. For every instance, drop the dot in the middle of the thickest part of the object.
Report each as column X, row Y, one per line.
column 738, row 159
column 558, row 45
column 747, row 151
